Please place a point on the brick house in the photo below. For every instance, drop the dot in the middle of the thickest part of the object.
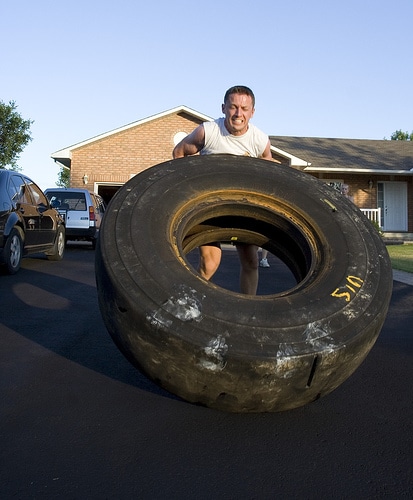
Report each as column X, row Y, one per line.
column 378, row 172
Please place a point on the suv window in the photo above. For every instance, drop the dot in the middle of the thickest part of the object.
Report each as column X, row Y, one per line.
column 37, row 195
column 19, row 191
column 99, row 204
column 13, row 191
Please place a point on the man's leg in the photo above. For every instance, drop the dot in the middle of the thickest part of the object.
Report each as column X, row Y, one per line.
column 210, row 258
column 248, row 256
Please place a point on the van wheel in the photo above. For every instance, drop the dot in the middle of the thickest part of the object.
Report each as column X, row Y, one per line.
column 13, row 250
column 219, row 348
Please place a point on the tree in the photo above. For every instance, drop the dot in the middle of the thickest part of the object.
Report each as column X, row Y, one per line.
column 401, row 136
column 63, row 178
column 14, row 135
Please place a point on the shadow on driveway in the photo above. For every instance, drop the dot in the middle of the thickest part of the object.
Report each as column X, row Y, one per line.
column 78, row 421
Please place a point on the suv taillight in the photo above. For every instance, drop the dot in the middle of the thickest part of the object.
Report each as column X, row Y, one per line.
column 92, row 216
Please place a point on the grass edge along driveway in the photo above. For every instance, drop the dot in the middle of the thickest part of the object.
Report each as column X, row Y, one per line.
column 401, row 257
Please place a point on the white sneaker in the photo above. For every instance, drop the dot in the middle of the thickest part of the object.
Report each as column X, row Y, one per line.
column 264, row 263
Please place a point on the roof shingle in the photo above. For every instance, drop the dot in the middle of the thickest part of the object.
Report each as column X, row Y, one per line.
column 348, row 154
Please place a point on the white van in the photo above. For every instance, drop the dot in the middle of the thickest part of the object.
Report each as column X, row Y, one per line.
column 82, row 211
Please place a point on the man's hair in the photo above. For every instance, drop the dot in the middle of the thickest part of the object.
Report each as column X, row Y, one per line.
column 240, row 89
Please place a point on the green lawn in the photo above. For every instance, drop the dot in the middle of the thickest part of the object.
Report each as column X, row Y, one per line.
column 401, row 257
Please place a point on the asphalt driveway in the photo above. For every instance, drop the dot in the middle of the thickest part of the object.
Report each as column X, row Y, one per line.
column 78, row 421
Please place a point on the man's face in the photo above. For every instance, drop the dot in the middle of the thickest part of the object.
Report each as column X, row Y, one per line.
column 238, row 111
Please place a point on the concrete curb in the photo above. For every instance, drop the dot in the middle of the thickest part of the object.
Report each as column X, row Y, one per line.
column 403, row 277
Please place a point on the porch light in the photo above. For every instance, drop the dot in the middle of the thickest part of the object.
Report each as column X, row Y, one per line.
column 85, row 179
column 370, row 184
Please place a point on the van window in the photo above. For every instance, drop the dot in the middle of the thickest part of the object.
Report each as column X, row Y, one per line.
column 68, row 201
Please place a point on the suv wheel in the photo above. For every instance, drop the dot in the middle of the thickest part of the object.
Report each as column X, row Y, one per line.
column 59, row 246
column 13, row 251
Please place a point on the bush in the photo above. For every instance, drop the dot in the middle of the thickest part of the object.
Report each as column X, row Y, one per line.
column 377, row 226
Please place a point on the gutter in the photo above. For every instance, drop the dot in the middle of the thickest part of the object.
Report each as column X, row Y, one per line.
column 359, row 171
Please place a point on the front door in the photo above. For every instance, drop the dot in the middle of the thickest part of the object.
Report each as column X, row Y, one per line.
column 47, row 217
column 393, row 202
column 22, row 198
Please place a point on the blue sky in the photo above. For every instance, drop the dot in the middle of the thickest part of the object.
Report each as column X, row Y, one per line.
column 322, row 68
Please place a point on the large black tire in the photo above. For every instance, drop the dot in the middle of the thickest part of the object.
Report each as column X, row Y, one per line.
column 223, row 349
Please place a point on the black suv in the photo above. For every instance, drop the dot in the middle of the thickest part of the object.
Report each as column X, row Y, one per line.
column 28, row 223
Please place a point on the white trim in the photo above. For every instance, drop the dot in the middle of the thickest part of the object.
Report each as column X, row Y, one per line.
column 96, row 185
column 294, row 160
column 358, row 171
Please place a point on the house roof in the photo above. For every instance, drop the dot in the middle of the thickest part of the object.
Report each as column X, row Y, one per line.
column 350, row 155
column 312, row 154
column 64, row 155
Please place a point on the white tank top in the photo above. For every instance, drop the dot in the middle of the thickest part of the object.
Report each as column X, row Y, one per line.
column 219, row 141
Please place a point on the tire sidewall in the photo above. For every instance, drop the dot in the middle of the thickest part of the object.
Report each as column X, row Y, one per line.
column 14, row 237
column 151, row 298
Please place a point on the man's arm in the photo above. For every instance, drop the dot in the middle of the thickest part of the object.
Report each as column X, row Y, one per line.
column 267, row 152
column 191, row 144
